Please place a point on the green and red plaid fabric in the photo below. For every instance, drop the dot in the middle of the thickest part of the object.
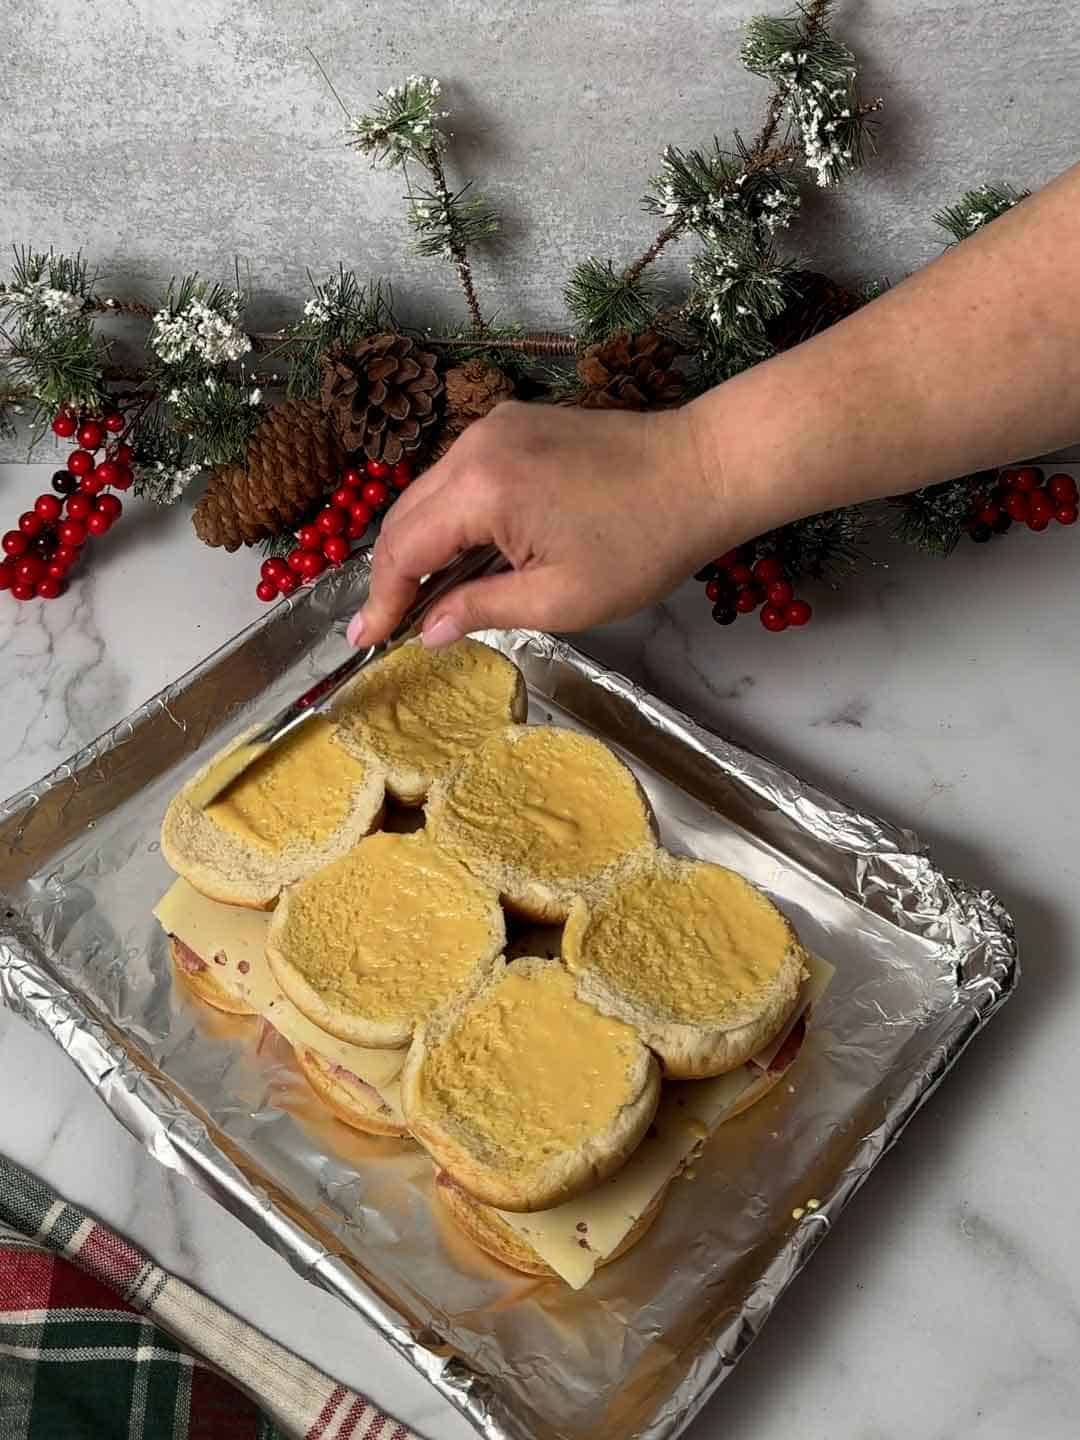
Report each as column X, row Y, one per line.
column 97, row 1341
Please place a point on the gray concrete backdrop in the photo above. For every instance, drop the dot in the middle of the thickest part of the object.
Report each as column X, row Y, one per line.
column 165, row 137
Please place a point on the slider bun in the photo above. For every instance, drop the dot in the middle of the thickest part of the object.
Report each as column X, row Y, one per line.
column 351, row 1099
column 223, row 865
column 417, row 712
column 370, row 945
column 697, row 960
column 541, row 813
column 487, row 1230
column 204, row 984
column 525, row 1095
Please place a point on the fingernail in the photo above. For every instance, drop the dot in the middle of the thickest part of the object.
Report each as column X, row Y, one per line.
column 444, row 630
column 355, row 633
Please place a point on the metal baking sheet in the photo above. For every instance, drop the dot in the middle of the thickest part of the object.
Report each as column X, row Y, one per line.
column 921, row 961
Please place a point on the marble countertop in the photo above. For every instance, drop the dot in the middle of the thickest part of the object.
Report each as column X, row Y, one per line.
column 943, row 696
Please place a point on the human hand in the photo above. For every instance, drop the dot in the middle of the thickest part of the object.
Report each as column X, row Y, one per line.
column 599, row 513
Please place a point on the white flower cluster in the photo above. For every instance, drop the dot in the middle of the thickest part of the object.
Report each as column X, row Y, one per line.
column 44, row 301
column 199, row 330
column 166, row 483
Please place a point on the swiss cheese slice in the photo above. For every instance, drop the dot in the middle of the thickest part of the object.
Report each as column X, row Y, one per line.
column 573, row 1238
column 231, row 940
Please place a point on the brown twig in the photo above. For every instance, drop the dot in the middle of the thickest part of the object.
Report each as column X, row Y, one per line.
column 548, row 343
column 113, row 305
column 671, row 230
column 458, row 252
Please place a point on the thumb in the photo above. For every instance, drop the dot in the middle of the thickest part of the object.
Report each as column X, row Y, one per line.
column 497, row 602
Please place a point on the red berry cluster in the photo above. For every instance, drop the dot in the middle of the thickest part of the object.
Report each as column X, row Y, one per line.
column 1024, row 495
column 737, row 584
column 330, row 536
column 39, row 555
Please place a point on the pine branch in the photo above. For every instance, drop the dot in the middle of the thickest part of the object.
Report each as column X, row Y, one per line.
column 451, row 227
column 603, row 302
column 933, row 519
column 977, row 208
column 341, row 312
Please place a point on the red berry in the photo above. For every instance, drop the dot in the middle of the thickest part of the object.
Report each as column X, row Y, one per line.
column 266, row 590
column 65, row 555
column 988, row 515
column 122, row 454
column 361, row 514
column 728, row 560
column 111, row 505
column 288, row 583
column 7, row 574
column 98, row 523
column 768, row 569
column 746, row 601
column 293, row 560
column 1041, row 506
column 22, row 591
column 377, row 469
column 376, row 494
column 30, row 523
column 781, row 593
column 56, row 569
column 91, row 485
column 79, row 506
column 356, row 530
column 309, row 537
column 80, row 462
column 15, row 543
column 741, row 574
column 114, row 422
column 330, row 522
column 343, row 497
column 712, row 591
column 1066, row 514
column 1063, row 488
column 124, row 477
column 1039, row 522
column 1027, row 478
column 64, row 425
column 799, row 613
column 353, row 478
column 91, row 435
column 274, row 568
column 402, row 474
column 73, row 533
column 107, row 472
column 49, row 587
column 1016, row 505
column 773, row 619
column 1007, row 476
column 336, row 549
column 313, row 564
column 49, row 506
column 29, row 569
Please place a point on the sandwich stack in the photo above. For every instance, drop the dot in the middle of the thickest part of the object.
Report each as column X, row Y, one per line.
column 466, row 928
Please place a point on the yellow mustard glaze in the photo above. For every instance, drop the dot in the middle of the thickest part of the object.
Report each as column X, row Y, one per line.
column 545, row 799
column 391, row 930
column 536, row 1070
column 425, row 709
column 299, row 792
column 702, row 938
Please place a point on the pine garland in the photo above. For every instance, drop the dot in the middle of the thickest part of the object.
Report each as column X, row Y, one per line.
column 203, row 393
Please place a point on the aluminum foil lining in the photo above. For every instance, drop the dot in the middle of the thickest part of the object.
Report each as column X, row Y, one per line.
column 921, row 962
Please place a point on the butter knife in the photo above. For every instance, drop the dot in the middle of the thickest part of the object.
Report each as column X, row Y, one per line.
column 468, row 566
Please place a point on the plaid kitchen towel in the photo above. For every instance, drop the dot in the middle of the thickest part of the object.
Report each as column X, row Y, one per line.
column 96, row 1341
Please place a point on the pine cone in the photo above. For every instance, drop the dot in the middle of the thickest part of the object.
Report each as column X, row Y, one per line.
column 381, row 395
column 629, row 372
column 293, row 458
column 472, row 389
column 816, row 303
